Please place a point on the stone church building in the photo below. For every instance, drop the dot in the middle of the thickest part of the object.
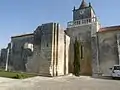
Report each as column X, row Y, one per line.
column 49, row 50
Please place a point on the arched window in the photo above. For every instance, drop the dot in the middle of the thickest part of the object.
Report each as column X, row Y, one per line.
column 47, row 44
column 82, row 52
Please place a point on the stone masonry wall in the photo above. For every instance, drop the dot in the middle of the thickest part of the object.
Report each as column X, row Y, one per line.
column 18, row 53
column 67, row 50
column 108, row 50
column 83, row 34
column 42, row 54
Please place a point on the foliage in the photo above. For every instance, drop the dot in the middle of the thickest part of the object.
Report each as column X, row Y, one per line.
column 19, row 76
column 76, row 58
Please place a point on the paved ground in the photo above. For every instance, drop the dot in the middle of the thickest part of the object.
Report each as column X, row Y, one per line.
column 59, row 83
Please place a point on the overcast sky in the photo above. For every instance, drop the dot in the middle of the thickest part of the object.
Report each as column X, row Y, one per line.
column 23, row 16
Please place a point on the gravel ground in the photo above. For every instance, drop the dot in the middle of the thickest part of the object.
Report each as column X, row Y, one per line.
column 59, row 83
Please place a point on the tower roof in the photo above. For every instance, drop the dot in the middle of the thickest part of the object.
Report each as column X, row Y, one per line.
column 83, row 4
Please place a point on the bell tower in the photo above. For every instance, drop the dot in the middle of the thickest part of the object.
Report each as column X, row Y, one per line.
column 84, row 11
column 83, row 27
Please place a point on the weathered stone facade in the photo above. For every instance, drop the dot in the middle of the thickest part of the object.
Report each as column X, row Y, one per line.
column 3, row 57
column 49, row 51
column 83, row 27
column 84, row 36
column 108, row 50
column 18, row 51
column 44, row 52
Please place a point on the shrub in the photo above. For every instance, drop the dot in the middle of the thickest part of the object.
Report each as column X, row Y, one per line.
column 19, row 76
column 76, row 58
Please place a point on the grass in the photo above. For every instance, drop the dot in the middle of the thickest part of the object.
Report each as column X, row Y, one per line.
column 16, row 75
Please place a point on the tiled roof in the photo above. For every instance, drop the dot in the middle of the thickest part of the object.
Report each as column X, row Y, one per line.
column 111, row 28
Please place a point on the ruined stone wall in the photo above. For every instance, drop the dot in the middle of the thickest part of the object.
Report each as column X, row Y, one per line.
column 18, row 53
column 49, row 51
column 3, row 57
column 41, row 60
column 46, row 49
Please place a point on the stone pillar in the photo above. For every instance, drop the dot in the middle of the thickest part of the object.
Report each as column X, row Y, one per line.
column 95, row 59
column 66, row 53
column 118, row 46
column 95, row 48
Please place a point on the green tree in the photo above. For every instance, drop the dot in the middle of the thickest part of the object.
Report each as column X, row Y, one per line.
column 76, row 58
